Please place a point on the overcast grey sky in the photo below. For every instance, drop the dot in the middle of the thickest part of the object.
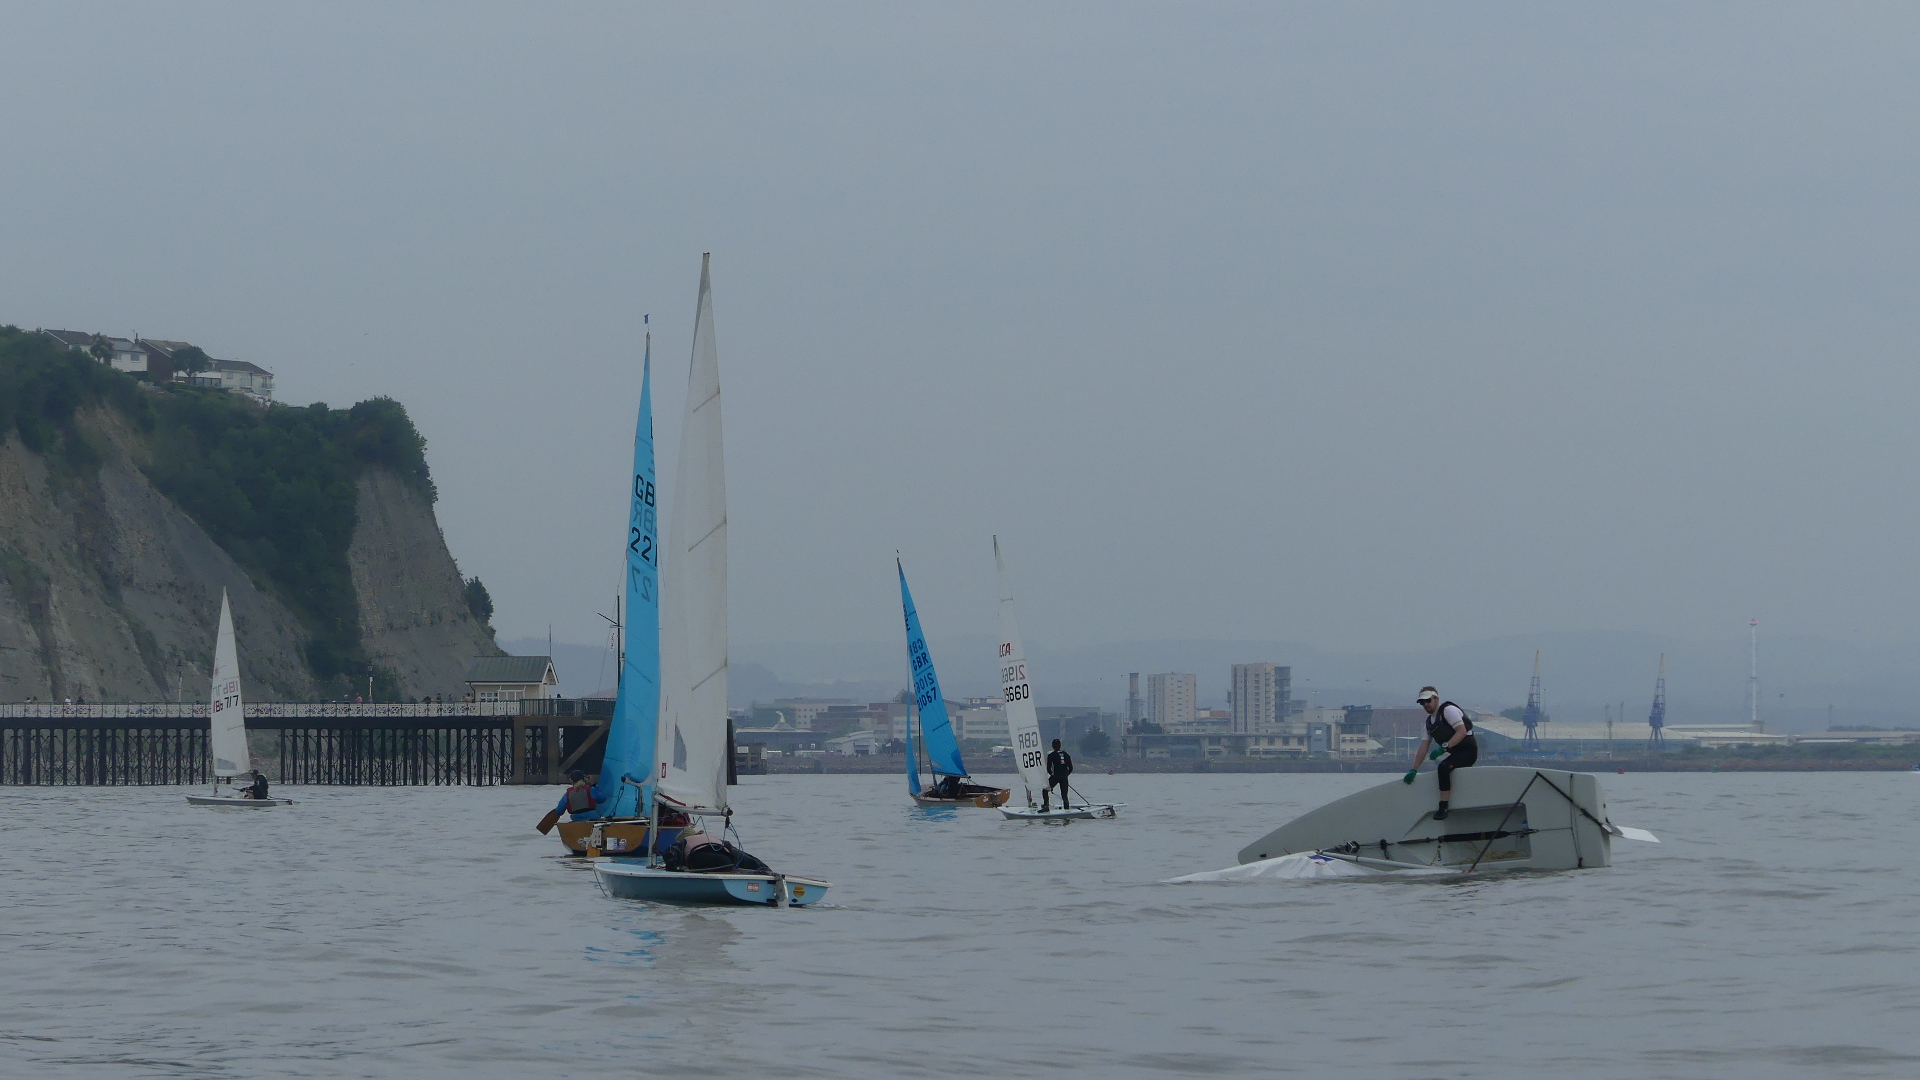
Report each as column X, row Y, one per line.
column 1372, row 326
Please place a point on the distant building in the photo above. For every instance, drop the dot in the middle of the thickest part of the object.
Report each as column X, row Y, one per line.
column 156, row 356
column 1205, row 722
column 855, row 744
column 810, row 714
column 512, row 678
column 1070, row 723
column 1170, row 698
column 1261, row 697
column 128, row 353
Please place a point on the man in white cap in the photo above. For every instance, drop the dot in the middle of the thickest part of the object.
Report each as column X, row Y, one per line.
column 1449, row 732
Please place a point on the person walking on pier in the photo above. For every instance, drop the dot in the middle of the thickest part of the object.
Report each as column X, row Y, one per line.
column 1449, row 733
column 1059, row 768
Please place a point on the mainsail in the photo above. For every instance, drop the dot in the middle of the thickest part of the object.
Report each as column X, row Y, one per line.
column 229, row 724
column 636, row 708
column 692, row 748
column 1023, row 724
column 936, row 731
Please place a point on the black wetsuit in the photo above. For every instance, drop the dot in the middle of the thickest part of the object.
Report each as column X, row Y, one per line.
column 1059, row 768
column 257, row 789
column 1464, row 754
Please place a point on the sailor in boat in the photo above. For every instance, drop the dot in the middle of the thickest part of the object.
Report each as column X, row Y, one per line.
column 1059, row 768
column 1450, row 734
column 257, row 789
column 577, row 802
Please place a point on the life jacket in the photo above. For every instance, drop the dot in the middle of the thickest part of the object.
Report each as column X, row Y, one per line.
column 579, row 799
column 1439, row 730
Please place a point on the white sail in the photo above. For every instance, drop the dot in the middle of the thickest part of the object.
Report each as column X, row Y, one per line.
column 692, row 748
column 229, row 728
column 1016, row 689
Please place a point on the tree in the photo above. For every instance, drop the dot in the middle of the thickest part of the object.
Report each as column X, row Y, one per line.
column 101, row 349
column 1096, row 743
column 1146, row 727
column 478, row 601
column 192, row 359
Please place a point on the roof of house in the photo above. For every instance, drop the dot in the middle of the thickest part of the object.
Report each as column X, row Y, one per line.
column 239, row 365
column 70, row 337
column 509, row 669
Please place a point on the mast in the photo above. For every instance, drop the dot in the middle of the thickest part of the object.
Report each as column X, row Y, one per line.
column 1753, row 673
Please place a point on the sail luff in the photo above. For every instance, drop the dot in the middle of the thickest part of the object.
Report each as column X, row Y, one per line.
column 227, row 734
column 1016, row 690
column 692, row 744
column 936, row 729
column 636, row 709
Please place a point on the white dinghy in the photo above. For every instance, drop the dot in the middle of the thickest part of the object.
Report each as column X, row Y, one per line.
column 1502, row 818
column 691, row 742
column 1023, row 723
column 227, row 733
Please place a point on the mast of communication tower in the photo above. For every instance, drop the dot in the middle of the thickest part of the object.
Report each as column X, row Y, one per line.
column 1531, row 718
column 1753, row 672
column 1657, row 719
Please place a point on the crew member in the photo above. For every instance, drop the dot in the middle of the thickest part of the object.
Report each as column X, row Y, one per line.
column 257, row 789
column 1449, row 733
column 577, row 802
column 1059, row 767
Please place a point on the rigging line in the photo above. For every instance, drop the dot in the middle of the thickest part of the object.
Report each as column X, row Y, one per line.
column 1503, row 824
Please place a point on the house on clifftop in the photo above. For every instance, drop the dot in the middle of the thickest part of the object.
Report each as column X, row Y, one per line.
column 155, row 356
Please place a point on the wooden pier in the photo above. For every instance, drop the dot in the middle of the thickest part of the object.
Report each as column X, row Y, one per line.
column 485, row 743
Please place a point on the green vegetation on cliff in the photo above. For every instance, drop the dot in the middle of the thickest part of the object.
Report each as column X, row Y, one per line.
column 275, row 486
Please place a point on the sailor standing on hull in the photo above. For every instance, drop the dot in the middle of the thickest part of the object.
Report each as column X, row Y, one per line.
column 1449, row 732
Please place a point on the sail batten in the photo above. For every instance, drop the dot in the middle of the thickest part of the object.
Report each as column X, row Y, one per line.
column 636, row 708
column 693, row 614
column 1016, row 690
column 936, row 729
column 228, row 727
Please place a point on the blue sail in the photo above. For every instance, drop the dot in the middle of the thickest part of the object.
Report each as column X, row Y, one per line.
column 636, row 710
column 936, row 731
column 913, row 763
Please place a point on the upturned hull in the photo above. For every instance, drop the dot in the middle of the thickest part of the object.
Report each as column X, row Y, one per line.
column 236, row 800
column 626, row 879
column 1500, row 818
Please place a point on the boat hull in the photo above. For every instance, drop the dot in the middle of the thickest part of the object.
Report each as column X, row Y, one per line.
column 1073, row 813
column 622, row 836
column 626, row 879
column 985, row 800
column 1500, row 818
column 236, row 800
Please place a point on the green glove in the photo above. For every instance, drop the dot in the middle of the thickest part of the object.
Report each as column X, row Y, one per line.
column 1411, row 773
column 1437, row 751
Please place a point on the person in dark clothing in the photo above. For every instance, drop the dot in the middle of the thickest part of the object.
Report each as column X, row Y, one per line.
column 1449, row 733
column 257, row 789
column 949, row 788
column 577, row 802
column 1059, row 768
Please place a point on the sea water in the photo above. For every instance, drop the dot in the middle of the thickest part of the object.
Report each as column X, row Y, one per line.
column 429, row 932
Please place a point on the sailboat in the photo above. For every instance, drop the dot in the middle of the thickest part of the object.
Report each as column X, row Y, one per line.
column 617, row 823
column 1023, row 723
column 689, row 752
column 952, row 785
column 228, row 722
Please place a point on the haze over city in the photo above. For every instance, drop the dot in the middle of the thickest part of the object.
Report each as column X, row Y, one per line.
column 1372, row 331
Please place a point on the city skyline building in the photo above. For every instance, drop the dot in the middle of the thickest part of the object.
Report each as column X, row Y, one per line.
column 1260, row 697
column 1171, row 698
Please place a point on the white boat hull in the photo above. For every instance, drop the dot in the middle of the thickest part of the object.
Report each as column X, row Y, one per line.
column 236, row 800
column 1072, row 813
column 627, row 879
column 1501, row 818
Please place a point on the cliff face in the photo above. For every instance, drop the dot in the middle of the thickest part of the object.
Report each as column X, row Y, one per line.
column 109, row 591
column 414, row 620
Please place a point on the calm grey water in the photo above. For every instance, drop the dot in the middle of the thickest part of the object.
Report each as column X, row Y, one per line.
column 430, row 932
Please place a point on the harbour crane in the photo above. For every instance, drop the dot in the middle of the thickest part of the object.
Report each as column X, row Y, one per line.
column 1657, row 719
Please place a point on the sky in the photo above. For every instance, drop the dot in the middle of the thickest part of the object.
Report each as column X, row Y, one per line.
column 1374, row 327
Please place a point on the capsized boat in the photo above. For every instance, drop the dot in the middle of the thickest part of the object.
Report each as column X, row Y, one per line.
column 617, row 823
column 1023, row 722
column 1501, row 818
column 689, row 752
column 227, row 724
column 952, row 785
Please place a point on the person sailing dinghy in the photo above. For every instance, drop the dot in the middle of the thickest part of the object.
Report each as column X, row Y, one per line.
column 952, row 786
column 227, row 725
column 689, row 750
column 1023, row 722
column 616, row 802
